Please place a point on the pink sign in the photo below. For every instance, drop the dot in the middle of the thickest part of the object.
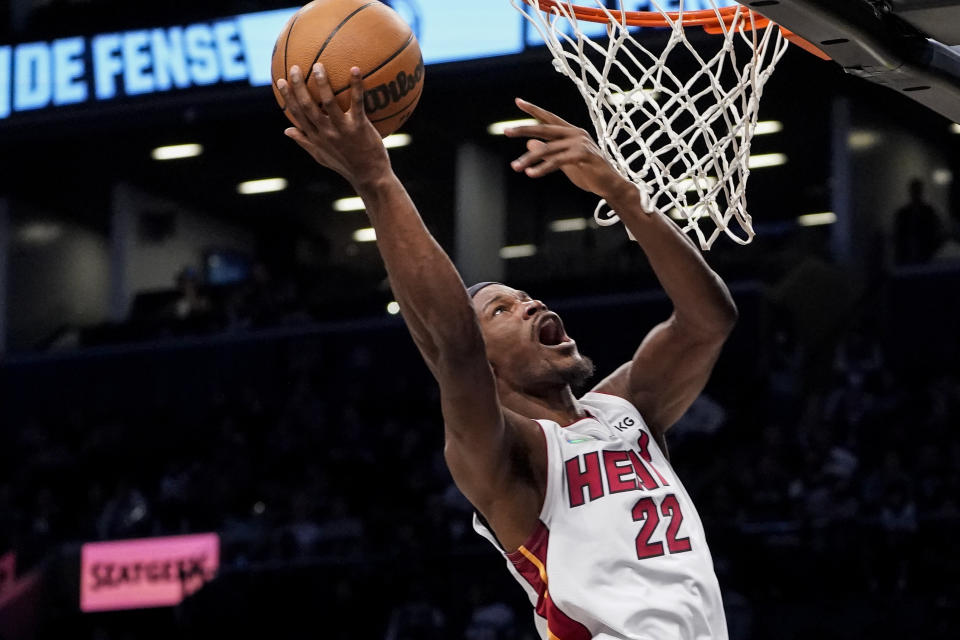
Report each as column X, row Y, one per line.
column 149, row 572
column 8, row 570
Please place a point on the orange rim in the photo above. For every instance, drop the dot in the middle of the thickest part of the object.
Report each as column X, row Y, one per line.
column 706, row 18
column 712, row 21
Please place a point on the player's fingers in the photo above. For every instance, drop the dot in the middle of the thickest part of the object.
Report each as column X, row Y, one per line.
column 327, row 100
column 537, row 152
column 357, row 109
column 540, row 113
column 549, row 165
column 290, row 106
column 560, row 159
column 297, row 136
column 544, row 131
column 302, row 104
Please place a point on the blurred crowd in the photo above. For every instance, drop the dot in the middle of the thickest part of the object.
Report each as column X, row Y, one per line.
column 830, row 480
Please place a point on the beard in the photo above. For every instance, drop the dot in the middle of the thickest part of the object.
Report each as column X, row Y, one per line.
column 578, row 373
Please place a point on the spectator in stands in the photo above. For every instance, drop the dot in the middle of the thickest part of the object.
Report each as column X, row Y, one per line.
column 490, row 619
column 341, row 532
column 885, row 480
column 418, row 618
column 919, row 229
column 258, row 303
column 192, row 310
column 898, row 517
column 127, row 513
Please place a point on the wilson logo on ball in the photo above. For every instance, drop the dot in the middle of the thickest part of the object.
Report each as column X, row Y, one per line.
column 393, row 92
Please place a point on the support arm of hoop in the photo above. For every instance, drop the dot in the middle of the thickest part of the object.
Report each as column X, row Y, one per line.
column 880, row 47
column 804, row 44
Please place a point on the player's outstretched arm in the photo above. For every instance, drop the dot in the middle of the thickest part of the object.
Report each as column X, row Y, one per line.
column 431, row 295
column 674, row 361
column 429, row 290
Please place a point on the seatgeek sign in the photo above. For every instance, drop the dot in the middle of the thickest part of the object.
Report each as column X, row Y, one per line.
column 95, row 69
column 147, row 572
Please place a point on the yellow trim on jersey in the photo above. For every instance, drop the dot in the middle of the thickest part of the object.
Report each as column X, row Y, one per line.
column 543, row 576
column 536, row 562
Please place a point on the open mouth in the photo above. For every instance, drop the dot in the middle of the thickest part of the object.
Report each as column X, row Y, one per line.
column 550, row 331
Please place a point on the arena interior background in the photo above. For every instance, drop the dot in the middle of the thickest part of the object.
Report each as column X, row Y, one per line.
column 177, row 357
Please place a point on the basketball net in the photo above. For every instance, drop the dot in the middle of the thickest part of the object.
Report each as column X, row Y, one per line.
column 681, row 134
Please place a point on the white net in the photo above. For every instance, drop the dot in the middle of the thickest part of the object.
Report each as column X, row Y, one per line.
column 677, row 123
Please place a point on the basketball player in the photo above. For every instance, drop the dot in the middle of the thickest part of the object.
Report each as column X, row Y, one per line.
column 576, row 492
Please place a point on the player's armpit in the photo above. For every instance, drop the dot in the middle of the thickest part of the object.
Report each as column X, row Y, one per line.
column 497, row 459
column 478, row 437
column 667, row 373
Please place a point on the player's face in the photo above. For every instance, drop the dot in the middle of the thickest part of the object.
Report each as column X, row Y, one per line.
column 526, row 343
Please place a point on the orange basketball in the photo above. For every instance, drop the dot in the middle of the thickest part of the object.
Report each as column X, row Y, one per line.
column 342, row 34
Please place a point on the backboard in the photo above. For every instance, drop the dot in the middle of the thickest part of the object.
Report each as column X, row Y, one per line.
column 909, row 46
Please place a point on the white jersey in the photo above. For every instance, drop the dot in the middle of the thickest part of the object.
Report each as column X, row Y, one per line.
column 620, row 551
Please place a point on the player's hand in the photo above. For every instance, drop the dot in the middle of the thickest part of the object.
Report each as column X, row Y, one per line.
column 343, row 141
column 557, row 144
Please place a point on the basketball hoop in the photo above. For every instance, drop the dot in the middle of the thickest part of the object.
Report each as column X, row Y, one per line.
column 707, row 18
column 682, row 135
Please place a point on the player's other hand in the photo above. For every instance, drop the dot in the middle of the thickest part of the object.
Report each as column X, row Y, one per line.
column 557, row 144
column 343, row 141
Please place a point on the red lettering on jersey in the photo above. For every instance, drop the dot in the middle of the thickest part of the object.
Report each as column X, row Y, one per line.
column 643, row 475
column 670, row 507
column 616, row 472
column 643, row 443
column 645, row 511
column 589, row 477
